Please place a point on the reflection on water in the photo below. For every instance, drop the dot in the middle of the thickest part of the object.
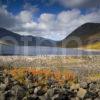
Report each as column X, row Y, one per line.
column 38, row 50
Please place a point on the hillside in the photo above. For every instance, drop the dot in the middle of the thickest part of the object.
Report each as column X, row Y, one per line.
column 86, row 35
column 12, row 38
column 93, row 46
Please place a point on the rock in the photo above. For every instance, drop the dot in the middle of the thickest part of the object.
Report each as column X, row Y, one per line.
column 18, row 91
column 81, row 93
column 55, row 97
column 37, row 89
column 97, row 99
column 2, row 87
column 88, row 99
column 75, row 87
column 91, row 95
column 74, row 98
column 92, row 86
column 2, row 96
column 42, row 97
column 30, row 85
column 49, row 94
column 99, row 93
column 32, row 97
column 83, row 85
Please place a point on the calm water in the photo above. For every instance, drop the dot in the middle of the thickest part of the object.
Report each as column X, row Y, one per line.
column 33, row 51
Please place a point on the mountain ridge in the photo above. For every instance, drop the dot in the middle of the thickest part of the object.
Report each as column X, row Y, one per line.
column 88, row 34
column 27, row 40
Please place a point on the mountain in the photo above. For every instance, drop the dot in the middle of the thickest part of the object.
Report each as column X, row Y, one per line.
column 11, row 38
column 85, row 36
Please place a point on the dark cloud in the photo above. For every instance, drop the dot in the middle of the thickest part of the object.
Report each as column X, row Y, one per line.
column 73, row 3
column 7, row 20
column 79, row 3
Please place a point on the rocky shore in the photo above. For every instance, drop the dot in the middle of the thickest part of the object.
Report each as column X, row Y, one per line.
column 12, row 89
column 87, row 86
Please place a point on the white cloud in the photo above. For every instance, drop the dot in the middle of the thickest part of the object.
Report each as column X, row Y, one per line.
column 25, row 16
column 46, row 17
column 47, row 25
column 46, row 21
column 59, row 26
column 65, row 18
column 31, row 25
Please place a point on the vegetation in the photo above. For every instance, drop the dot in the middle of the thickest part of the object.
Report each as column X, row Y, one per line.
column 19, row 73
column 71, row 77
column 95, row 46
column 94, row 77
column 67, row 66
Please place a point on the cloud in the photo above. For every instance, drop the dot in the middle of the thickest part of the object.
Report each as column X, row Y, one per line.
column 73, row 3
column 53, row 26
column 30, row 7
column 6, row 18
column 46, row 21
column 58, row 26
column 24, row 16
column 79, row 3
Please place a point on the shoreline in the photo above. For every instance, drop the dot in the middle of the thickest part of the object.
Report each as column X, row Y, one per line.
column 93, row 50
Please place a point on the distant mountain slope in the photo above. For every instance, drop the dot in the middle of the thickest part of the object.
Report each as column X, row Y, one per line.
column 9, row 37
column 86, row 34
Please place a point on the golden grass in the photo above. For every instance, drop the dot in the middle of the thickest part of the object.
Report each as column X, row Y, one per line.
column 19, row 73
column 94, row 46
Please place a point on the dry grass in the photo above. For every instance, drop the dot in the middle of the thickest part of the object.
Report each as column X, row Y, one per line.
column 95, row 46
column 19, row 73
column 80, row 65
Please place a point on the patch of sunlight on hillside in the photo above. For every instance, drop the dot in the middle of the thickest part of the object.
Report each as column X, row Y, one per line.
column 94, row 46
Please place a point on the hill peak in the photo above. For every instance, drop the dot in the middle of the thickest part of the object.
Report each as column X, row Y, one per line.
column 86, row 32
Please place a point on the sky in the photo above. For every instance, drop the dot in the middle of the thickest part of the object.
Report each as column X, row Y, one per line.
column 52, row 19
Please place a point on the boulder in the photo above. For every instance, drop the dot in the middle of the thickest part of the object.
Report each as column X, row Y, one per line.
column 75, row 86
column 81, row 93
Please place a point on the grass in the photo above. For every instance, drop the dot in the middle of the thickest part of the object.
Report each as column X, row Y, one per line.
column 82, row 66
column 95, row 46
column 19, row 73
column 94, row 77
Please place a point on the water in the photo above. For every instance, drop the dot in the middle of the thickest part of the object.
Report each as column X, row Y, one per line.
column 38, row 50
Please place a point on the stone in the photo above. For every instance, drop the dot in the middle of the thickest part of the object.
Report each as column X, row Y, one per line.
column 37, row 89
column 2, row 96
column 74, row 87
column 81, row 93
column 42, row 97
column 55, row 97
column 84, row 85
column 18, row 91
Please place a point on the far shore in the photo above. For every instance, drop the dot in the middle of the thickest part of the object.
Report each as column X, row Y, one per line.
column 93, row 50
